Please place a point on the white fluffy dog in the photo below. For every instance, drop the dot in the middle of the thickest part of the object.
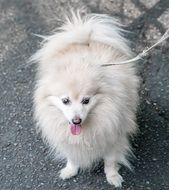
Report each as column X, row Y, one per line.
column 86, row 111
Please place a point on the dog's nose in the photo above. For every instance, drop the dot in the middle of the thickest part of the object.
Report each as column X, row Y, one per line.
column 76, row 120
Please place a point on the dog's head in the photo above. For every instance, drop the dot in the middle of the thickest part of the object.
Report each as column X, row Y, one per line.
column 75, row 94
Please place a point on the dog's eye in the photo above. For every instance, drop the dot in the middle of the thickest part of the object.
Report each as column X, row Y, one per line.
column 66, row 101
column 85, row 100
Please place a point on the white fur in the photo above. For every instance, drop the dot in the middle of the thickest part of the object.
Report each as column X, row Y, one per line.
column 69, row 66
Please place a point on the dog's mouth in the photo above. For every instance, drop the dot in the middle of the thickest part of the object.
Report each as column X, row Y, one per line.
column 75, row 128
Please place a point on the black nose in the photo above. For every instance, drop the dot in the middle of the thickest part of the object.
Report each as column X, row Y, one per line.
column 76, row 121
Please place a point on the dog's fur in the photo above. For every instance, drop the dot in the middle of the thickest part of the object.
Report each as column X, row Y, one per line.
column 69, row 66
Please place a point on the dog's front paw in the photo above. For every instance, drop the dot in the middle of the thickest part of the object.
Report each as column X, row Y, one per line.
column 68, row 172
column 115, row 179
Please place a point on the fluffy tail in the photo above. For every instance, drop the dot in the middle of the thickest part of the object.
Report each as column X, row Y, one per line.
column 82, row 30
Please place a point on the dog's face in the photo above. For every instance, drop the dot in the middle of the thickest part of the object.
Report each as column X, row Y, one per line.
column 74, row 109
column 75, row 98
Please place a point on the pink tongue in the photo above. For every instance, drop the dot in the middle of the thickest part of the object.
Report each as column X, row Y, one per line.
column 75, row 129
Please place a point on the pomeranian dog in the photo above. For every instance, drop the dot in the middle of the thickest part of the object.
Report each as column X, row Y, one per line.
column 85, row 110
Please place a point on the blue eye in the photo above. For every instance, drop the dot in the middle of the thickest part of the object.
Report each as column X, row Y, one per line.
column 85, row 100
column 66, row 101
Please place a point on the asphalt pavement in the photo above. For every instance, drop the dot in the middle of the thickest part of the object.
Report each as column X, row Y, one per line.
column 25, row 163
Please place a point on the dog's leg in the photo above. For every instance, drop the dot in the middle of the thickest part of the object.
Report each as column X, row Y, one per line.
column 69, row 171
column 111, row 170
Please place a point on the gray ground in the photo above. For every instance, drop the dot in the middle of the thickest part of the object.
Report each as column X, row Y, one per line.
column 24, row 160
